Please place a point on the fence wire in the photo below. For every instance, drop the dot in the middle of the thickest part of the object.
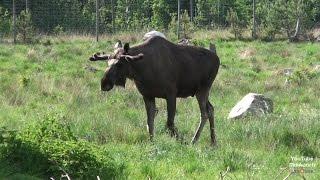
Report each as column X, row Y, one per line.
column 110, row 16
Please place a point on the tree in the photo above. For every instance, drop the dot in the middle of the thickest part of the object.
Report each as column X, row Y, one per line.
column 25, row 28
column 235, row 23
column 4, row 22
column 161, row 14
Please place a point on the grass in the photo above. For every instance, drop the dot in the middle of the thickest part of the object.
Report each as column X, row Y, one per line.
column 50, row 78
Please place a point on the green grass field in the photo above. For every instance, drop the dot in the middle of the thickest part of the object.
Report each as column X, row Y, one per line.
column 48, row 82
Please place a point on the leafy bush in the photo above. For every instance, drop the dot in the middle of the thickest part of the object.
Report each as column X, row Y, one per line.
column 49, row 148
column 58, row 30
column 235, row 22
column 25, row 29
column 4, row 22
column 187, row 27
column 302, row 75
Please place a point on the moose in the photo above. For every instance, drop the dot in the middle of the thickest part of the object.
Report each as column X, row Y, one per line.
column 162, row 69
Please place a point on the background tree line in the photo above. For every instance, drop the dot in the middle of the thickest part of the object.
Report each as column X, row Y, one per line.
column 272, row 17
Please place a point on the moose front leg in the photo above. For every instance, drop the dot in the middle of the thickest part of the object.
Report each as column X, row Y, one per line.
column 151, row 111
column 171, row 108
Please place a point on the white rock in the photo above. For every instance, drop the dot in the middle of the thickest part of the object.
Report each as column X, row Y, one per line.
column 251, row 104
column 316, row 68
column 152, row 34
column 288, row 71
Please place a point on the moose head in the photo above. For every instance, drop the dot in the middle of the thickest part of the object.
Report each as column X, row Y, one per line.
column 118, row 66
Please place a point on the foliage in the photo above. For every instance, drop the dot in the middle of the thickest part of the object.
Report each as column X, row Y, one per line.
column 4, row 22
column 235, row 22
column 58, row 30
column 161, row 14
column 51, row 149
column 80, row 16
column 302, row 75
column 25, row 29
column 186, row 25
column 53, row 83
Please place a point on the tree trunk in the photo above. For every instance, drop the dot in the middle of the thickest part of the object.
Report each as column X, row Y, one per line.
column 295, row 37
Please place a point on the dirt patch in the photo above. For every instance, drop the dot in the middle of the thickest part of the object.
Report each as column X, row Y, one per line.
column 32, row 54
column 247, row 53
column 285, row 54
column 315, row 32
column 285, row 72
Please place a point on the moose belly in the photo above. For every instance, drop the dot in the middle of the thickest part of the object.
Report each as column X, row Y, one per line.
column 184, row 94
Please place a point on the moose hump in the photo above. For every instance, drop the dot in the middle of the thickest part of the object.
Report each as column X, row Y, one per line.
column 153, row 34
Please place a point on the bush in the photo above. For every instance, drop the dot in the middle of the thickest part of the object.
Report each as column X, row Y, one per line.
column 25, row 29
column 302, row 75
column 4, row 22
column 58, row 30
column 187, row 27
column 235, row 22
column 51, row 149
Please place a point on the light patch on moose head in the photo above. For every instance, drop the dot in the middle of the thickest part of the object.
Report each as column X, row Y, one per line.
column 112, row 62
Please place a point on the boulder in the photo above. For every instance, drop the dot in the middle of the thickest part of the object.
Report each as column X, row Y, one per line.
column 251, row 104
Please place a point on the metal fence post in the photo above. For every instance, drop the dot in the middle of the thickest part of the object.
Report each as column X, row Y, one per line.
column 27, row 5
column 178, row 28
column 254, row 34
column 14, row 20
column 191, row 10
column 112, row 15
column 97, row 20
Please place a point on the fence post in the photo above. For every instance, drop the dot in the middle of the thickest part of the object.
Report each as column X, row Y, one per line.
column 254, row 34
column 27, row 5
column 178, row 28
column 191, row 10
column 112, row 15
column 97, row 20
column 14, row 21
column 219, row 22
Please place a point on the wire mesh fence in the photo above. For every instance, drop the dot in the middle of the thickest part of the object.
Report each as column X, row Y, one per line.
column 109, row 16
column 98, row 17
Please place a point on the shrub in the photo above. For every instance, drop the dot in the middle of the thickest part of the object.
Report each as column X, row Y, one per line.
column 25, row 29
column 4, row 22
column 187, row 27
column 58, row 30
column 49, row 148
column 235, row 22
column 302, row 75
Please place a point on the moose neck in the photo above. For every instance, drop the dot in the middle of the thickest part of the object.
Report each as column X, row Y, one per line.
column 135, row 69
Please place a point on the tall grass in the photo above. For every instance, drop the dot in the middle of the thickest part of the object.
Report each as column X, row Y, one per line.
column 51, row 78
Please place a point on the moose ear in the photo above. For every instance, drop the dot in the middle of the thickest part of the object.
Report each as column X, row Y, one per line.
column 133, row 58
column 118, row 45
column 126, row 47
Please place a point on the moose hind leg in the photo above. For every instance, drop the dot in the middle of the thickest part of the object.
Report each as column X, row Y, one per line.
column 210, row 110
column 202, row 97
column 151, row 111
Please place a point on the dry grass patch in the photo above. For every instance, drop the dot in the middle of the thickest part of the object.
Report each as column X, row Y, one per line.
column 247, row 53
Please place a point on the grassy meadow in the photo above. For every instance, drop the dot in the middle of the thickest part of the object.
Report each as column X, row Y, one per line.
column 55, row 120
